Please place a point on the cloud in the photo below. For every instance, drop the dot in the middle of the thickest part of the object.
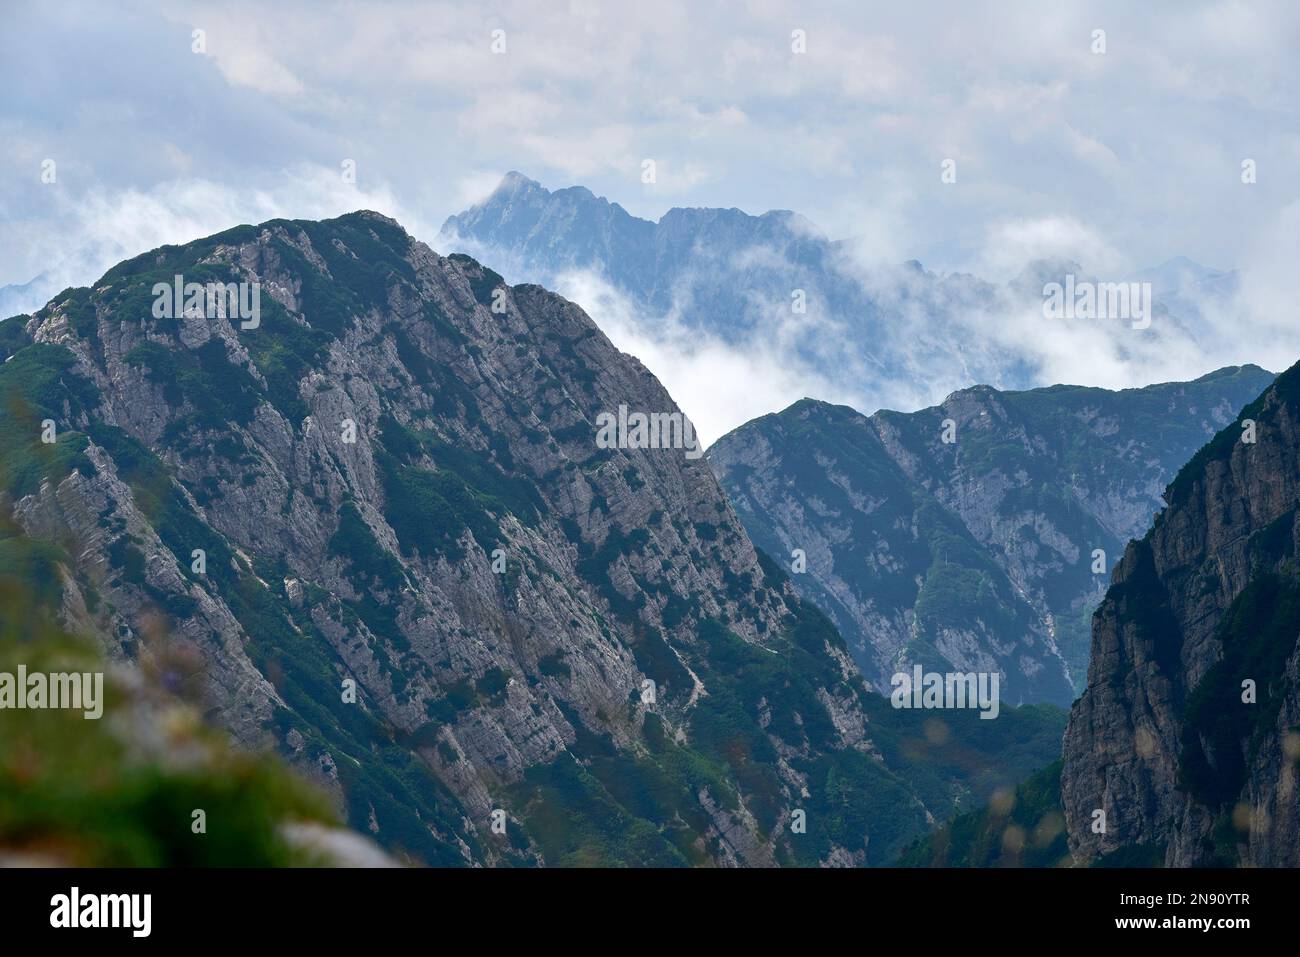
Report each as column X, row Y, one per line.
column 475, row 187
column 906, row 338
column 1013, row 243
column 1132, row 141
column 252, row 67
column 94, row 230
column 1260, row 323
column 1115, row 161
column 718, row 384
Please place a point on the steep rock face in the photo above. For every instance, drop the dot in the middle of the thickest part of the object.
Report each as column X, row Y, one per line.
column 976, row 553
column 374, row 528
column 1186, row 736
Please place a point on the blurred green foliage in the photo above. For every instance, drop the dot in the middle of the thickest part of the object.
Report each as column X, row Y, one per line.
column 120, row 790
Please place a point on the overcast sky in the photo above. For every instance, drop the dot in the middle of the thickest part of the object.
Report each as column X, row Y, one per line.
column 1119, row 159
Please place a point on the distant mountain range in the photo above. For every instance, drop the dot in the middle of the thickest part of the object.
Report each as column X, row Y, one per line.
column 873, row 335
column 28, row 296
column 986, row 552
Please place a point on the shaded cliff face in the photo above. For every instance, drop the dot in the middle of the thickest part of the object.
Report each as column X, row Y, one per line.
column 1186, row 737
column 977, row 553
column 374, row 528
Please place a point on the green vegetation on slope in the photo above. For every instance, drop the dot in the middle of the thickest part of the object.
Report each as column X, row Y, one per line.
column 86, row 793
column 1024, row 827
column 1221, row 732
column 377, row 775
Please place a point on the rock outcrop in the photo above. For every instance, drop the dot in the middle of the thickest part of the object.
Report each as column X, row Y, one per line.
column 1183, row 749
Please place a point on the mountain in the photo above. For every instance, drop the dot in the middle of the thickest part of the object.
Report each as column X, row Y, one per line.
column 767, row 282
column 1184, row 747
column 367, row 520
column 21, row 297
column 822, row 311
column 977, row 553
column 538, row 231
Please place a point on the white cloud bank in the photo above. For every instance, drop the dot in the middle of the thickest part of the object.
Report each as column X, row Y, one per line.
column 94, row 230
